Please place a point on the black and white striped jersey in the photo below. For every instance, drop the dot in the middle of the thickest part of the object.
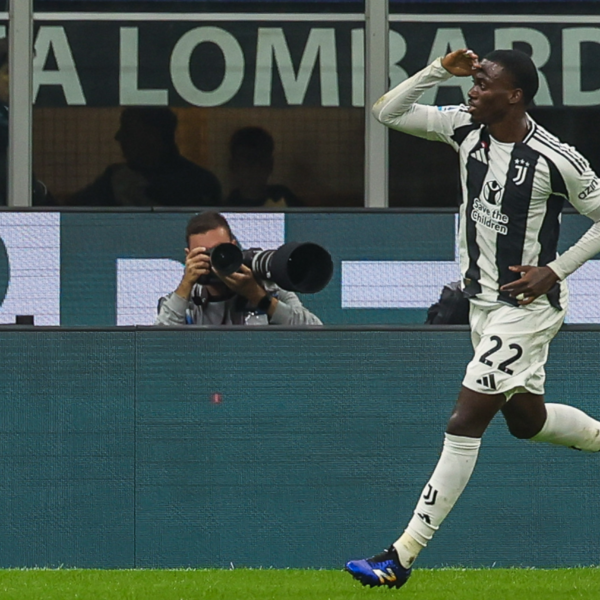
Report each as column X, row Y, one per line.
column 512, row 198
column 512, row 194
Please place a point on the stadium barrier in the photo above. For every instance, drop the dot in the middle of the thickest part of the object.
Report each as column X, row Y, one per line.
column 142, row 447
column 100, row 269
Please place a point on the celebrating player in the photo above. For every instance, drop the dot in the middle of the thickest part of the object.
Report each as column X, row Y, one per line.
column 515, row 177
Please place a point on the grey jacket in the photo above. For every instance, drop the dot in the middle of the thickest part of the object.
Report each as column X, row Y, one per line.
column 175, row 310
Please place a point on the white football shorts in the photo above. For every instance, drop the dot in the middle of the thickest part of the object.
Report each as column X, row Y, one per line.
column 511, row 347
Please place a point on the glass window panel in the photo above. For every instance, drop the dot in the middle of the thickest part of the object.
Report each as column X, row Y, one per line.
column 567, row 54
column 296, row 80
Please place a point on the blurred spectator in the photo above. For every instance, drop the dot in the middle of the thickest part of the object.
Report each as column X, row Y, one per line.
column 154, row 172
column 40, row 194
column 251, row 165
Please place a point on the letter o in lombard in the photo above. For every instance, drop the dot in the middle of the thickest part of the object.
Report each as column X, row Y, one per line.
column 234, row 66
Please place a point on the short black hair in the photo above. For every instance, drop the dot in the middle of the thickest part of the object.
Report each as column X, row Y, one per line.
column 160, row 118
column 521, row 68
column 206, row 221
column 256, row 139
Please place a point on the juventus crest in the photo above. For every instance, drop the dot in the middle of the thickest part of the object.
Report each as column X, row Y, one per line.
column 522, row 166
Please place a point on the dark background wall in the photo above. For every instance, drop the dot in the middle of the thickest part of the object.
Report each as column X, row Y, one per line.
column 163, row 448
column 319, row 145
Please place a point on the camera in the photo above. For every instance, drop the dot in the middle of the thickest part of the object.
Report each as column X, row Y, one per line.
column 297, row 267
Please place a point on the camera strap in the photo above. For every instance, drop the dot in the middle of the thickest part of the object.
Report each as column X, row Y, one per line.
column 201, row 297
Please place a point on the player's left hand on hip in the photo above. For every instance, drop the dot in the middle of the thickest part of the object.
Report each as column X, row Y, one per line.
column 534, row 282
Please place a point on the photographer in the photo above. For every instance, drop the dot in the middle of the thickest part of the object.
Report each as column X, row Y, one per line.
column 235, row 299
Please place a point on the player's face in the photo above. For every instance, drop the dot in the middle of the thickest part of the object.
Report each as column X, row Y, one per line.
column 492, row 94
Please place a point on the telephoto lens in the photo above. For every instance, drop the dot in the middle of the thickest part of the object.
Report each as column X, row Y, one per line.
column 297, row 267
column 305, row 268
column 225, row 258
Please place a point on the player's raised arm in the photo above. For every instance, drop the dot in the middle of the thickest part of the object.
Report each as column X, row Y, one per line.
column 399, row 109
column 461, row 63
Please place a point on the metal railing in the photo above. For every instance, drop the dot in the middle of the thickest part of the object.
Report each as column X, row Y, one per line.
column 21, row 18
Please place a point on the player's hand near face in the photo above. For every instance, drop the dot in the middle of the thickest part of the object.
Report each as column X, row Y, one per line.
column 534, row 282
column 461, row 63
column 197, row 263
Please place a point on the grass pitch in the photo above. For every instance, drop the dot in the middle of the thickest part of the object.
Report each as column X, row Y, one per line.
column 293, row 584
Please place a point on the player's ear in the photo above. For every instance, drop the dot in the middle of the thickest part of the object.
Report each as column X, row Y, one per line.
column 516, row 96
column 187, row 251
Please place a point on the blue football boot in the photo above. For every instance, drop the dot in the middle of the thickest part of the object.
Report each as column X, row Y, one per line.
column 382, row 569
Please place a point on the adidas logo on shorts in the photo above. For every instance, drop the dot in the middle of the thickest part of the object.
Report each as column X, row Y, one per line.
column 488, row 381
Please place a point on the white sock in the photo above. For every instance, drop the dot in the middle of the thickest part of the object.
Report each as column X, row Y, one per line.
column 569, row 426
column 408, row 549
column 449, row 479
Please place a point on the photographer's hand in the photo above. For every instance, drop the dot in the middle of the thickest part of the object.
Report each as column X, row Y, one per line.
column 243, row 283
column 197, row 263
